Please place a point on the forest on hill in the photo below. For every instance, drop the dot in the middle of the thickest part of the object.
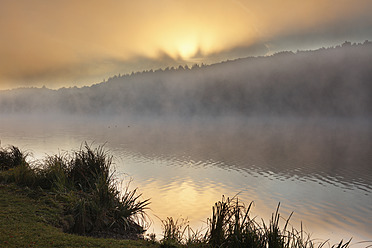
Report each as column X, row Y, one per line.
column 332, row 82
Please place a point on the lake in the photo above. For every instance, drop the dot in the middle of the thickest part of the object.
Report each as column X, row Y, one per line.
column 320, row 168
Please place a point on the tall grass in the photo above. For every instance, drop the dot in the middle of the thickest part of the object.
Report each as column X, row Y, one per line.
column 231, row 226
column 11, row 157
column 89, row 167
column 53, row 173
column 173, row 232
column 178, row 232
column 15, row 168
column 85, row 181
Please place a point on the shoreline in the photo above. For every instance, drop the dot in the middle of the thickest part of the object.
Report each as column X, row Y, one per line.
column 8, row 175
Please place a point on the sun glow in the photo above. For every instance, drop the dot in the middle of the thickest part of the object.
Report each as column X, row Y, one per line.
column 183, row 43
column 187, row 49
column 186, row 44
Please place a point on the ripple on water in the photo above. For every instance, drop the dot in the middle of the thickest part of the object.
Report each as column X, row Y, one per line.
column 322, row 174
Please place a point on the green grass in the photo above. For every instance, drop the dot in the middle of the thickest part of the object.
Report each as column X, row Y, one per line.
column 30, row 219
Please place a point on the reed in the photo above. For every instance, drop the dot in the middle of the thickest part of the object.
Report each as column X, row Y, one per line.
column 231, row 226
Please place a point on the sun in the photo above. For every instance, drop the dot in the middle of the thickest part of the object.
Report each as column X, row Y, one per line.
column 185, row 44
column 187, row 49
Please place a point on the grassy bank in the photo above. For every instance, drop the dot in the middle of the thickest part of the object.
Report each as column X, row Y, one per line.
column 29, row 218
column 93, row 205
column 71, row 200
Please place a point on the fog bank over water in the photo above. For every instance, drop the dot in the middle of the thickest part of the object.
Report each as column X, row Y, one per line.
column 334, row 149
column 304, row 113
column 334, row 82
column 319, row 168
column 293, row 128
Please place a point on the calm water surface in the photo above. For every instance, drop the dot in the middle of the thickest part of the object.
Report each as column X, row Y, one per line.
column 320, row 169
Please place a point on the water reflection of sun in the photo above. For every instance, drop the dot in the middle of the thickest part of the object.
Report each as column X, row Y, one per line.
column 184, row 199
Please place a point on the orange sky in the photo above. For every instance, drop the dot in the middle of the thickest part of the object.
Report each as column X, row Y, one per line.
column 66, row 43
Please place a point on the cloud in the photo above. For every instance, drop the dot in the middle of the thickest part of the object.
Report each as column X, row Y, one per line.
column 77, row 42
column 357, row 30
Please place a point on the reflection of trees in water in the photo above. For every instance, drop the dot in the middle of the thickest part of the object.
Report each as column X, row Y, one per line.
column 283, row 146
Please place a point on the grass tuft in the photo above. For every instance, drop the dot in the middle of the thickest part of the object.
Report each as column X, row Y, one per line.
column 85, row 181
column 11, row 157
column 231, row 226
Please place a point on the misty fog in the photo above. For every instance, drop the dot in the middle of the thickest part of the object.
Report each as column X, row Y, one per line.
column 333, row 82
column 291, row 127
column 311, row 107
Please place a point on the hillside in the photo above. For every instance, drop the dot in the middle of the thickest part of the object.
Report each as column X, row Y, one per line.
column 325, row 82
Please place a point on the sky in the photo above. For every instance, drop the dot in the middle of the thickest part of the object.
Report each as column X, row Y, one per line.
column 74, row 43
